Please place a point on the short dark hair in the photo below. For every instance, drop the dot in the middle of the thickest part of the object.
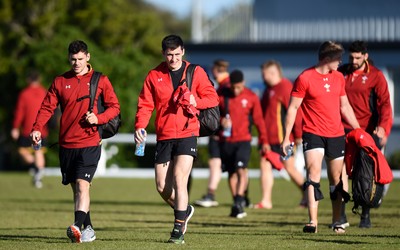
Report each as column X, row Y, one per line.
column 358, row 46
column 77, row 46
column 33, row 76
column 330, row 49
column 236, row 76
column 171, row 42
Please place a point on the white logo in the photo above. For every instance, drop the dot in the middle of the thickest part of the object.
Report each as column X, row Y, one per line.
column 68, row 86
column 87, row 175
column 240, row 164
column 327, row 86
column 244, row 103
column 193, row 149
column 325, row 79
column 364, row 79
column 159, row 79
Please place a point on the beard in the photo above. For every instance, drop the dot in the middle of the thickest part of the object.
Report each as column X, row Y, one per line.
column 357, row 67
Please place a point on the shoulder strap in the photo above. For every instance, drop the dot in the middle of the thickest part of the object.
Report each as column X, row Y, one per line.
column 94, row 82
column 189, row 75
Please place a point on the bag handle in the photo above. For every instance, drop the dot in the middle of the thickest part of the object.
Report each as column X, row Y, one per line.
column 94, row 82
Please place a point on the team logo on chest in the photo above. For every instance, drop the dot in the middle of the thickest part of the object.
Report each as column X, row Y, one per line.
column 327, row 85
column 67, row 86
column 244, row 103
column 364, row 79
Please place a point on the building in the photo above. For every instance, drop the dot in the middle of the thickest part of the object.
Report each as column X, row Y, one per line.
column 290, row 32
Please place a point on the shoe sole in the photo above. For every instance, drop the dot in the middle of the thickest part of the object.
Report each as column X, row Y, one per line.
column 178, row 242
column 90, row 240
column 344, row 225
column 188, row 218
column 241, row 215
column 74, row 234
column 207, row 203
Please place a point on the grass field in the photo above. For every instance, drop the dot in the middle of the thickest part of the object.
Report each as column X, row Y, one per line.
column 129, row 214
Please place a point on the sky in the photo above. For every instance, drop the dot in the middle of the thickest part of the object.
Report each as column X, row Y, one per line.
column 182, row 8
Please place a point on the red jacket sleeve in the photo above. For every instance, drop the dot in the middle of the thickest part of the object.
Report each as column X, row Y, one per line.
column 145, row 105
column 203, row 90
column 259, row 121
column 383, row 103
column 47, row 108
column 19, row 112
column 110, row 102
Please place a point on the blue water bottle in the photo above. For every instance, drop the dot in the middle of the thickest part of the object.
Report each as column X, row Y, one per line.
column 227, row 132
column 289, row 151
column 139, row 151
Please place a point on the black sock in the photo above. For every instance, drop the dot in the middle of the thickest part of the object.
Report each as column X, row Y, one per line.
column 180, row 216
column 79, row 218
column 87, row 221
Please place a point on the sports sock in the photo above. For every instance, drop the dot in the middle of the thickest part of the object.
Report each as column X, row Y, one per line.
column 79, row 218
column 179, row 216
column 87, row 221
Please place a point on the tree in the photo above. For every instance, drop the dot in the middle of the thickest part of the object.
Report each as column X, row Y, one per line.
column 124, row 38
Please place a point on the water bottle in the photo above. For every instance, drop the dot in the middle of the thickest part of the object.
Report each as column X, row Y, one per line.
column 289, row 151
column 139, row 151
column 227, row 132
column 37, row 146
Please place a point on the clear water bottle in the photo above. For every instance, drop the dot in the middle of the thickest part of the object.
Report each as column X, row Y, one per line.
column 227, row 132
column 289, row 151
column 37, row 146
column 139, row 151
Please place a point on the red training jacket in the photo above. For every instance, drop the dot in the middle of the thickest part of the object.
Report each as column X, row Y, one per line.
column 359, row 93
column 28, row 105
column 275, row 102
column 66, row 90
column 241, row 107
column 171, row 121
column 357, row 139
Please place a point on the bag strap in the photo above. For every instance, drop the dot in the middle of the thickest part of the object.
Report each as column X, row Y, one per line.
column 189, row 75
column 94, row 82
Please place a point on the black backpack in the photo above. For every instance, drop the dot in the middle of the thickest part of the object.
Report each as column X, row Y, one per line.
column 111, row 128
column 209, row 118
column 366, row 192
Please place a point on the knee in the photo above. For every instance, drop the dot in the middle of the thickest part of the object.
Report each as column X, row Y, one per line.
column 160, row 187
column 317, row 191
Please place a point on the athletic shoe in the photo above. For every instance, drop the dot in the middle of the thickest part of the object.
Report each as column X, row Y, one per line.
column 365, row 222
column 189, row 214
column 74, row 234
column 177, row 236
column 207, row 201
column 237, row 212
column 38, row 184
column 342, row 223
column 88, row 234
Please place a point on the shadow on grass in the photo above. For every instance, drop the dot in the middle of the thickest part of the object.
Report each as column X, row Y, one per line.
column 93, row 202
column 35, row 238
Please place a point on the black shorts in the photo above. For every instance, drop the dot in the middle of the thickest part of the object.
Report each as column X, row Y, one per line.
column 79, row 163
column 26, row 141
column 213, row 148
column 235, row 155
column 166, row 150
column 333, row 147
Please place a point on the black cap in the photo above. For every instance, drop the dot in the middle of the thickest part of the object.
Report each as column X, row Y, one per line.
column 236, row 76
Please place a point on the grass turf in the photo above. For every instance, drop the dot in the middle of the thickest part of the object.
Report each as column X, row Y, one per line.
column 129, row 214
